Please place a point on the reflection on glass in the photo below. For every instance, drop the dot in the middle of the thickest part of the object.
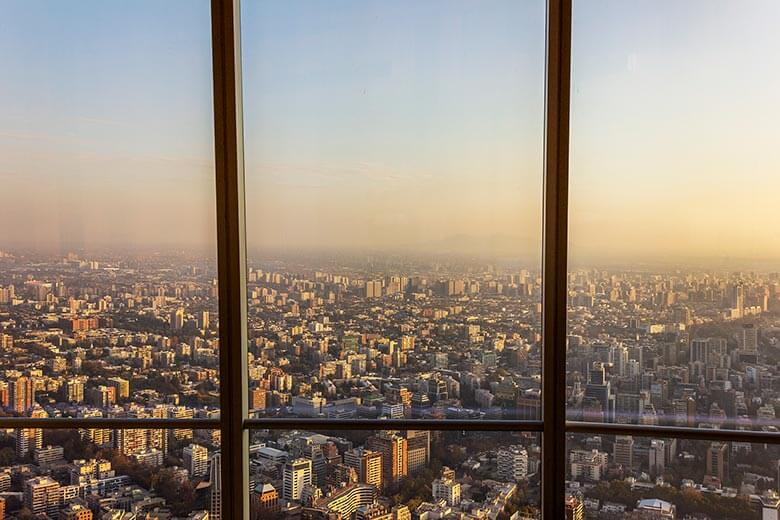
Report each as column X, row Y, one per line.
column 673, row 280
column 108, row 298
column 393, row 171
column 617, row 477
column 403, row 474
column 106, row 473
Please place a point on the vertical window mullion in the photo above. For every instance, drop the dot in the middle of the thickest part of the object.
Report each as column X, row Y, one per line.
column 556, row 181
column 228, row 135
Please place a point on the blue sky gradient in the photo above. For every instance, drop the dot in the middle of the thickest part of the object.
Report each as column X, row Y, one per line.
column 395, row 125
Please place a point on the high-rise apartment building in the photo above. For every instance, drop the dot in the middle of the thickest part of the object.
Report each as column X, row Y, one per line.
column 749, row 338
column 418, row 447
column 30, row 439
column 21, row 394
column 512, row 463
column 446, row 487
column 196, row 460
column 131, row 441
column 177, row 319
column 393, row 448
column 42, row 495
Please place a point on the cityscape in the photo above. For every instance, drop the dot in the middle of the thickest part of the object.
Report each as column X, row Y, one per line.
column 383, row 336
column 392, row 168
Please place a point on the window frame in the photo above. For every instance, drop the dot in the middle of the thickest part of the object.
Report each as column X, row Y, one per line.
column 234, row 422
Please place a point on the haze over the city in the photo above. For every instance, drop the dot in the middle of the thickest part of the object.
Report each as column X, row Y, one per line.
column 410, row 127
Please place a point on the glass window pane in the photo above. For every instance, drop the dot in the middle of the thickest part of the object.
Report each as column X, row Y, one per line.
column 674, row 254
column 403, row 474
column 624, row 477
column 393, row 179
column 108, row 296
column 105, row 473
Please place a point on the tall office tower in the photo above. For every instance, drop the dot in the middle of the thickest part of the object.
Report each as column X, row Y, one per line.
column 394, row 452
column 716, row 461
column 21, row 394
column 512, row 463
column 29, row 439
column 42, row 495
column 418, row 444
column 622, row 361
column 367, row 464
column 215, row 478
column 575, row 510
column 196, row 460
column 177, row 319
column 656, row 457
column 600, row 389
column 295, row 476
column 204, row 321
column 319, row 464
column 737, row 297
column 698, row 350
column 623, row 451
column 749, row 338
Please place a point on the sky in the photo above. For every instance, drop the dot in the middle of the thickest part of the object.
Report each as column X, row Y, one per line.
column 398, row 126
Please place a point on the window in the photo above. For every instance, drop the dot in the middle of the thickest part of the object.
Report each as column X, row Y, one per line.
column 672, row 285
column 409, row 298
column 393, row 181
column 108, row 280
column 108, row 292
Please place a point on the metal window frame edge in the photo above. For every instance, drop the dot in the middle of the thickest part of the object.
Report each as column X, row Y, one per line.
column 231, row 253
column 555, row 250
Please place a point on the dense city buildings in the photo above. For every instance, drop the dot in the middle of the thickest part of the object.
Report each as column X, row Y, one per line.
column 433, row 340
column 463, row 479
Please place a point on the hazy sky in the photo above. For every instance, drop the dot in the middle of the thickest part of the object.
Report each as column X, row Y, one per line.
column 106, row 129
column 395, row 125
